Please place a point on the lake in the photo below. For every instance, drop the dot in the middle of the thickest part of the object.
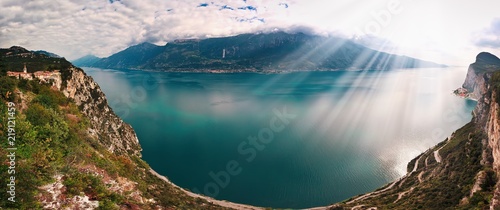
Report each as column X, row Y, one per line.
column 292, row 140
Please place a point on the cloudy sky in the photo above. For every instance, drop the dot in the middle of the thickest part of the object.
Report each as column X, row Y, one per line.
column 444, row 31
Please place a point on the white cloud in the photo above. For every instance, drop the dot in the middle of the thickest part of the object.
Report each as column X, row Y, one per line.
column 76, row 28
column 490, row 37
column 102, row 27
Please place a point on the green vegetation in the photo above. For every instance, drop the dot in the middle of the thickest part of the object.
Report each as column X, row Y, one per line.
column 495, row 85
column 14, row 59
column 444, row 185
column 486, row 62
column 52, row 139
column 42, row 137
column 3, row 67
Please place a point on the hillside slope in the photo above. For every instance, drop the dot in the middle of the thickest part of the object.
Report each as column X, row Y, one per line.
column 257, row 52
column 87, row 60
column 462, row 171
column 70, row 150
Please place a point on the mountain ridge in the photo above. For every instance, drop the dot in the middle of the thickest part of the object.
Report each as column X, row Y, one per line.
column 85, row 60
column 258, row 52
column 53, row 55
column 460, row 173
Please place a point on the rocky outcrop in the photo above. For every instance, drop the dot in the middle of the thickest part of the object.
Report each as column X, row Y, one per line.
column 478, row 74
column 459, row 172
column 474, row 83
column 486, row 114
column 112, row 132
column 492, row 129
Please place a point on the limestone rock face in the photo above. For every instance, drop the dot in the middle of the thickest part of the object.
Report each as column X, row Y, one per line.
column 112, row 132
column 478, row 74
column 474, row 83
column 486, row 114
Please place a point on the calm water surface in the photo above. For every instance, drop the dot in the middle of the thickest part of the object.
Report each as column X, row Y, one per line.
column 348, row 132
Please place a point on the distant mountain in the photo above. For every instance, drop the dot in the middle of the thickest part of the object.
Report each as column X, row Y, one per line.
column 87, row 60
column 52, row 55
column 258, row 52
column 132, row 57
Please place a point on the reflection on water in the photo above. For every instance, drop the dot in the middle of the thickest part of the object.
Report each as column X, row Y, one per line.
column 354, row 131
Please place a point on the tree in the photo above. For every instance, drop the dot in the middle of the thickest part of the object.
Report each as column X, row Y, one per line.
column 3, row 67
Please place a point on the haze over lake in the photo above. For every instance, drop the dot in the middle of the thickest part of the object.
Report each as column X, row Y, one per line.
column 353, row 131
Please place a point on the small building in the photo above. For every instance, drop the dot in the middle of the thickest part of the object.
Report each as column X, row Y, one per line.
column 462, row 92
column 52, row 77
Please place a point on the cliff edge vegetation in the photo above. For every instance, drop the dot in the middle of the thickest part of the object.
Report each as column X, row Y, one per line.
column 462, row 171
column 70, row 150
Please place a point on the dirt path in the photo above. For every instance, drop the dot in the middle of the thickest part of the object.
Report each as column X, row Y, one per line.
column 400, row 195
column 436, row 153
column 226, row 204
column 437, row 156
column 416, row 164
column 420, row 176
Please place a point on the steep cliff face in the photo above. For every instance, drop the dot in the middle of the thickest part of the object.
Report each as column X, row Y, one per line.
column 479, row 81
column 478, row 74
column 72, row 151
column 105, row 125
column 486, row 113
column 474, row 83
column 116, row 135
column 462, row 171
column 492, row 129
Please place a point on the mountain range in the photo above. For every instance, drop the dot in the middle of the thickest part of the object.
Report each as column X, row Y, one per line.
column 255, row 52
column 74, row 152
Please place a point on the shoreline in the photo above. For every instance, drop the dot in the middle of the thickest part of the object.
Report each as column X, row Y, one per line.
column 222, row 203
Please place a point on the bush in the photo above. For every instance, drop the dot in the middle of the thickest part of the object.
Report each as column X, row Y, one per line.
column 77, row 182
column 7, row 87
column 46, row 101
column 37, row 115
column 490, row 180
column 50, row 98
column 495, row 84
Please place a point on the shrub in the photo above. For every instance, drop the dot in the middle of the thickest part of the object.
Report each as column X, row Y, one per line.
column 37, row 115
column 7, row 86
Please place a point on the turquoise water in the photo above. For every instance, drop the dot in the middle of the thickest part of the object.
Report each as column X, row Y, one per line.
column 292, row 140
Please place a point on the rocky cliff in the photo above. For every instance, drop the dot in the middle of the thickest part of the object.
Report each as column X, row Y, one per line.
column 116, row 135
column 72, row 151
column 61, row 166
column 485, row 83
column 476, row 79
column 462, row 171
column 474, row 83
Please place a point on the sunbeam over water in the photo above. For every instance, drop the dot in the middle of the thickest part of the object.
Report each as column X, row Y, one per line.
column 351, row 131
